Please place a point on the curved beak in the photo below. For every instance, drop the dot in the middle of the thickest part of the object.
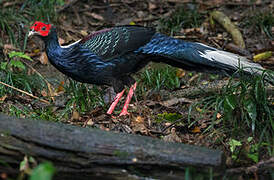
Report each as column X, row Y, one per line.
column 32, row 32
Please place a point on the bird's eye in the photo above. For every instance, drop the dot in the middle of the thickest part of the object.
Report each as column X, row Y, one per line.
column 43, row 28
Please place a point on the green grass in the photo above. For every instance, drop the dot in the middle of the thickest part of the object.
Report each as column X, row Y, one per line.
column 181, row 18
column 260, row 22
column 14, row 19
column 11, row 23
column 159, row 76
column 83, row 97
column 246, row 109
column 42, row 10
column 14, row 72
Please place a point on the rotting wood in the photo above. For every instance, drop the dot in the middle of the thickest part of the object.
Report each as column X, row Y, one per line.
column 87, row 152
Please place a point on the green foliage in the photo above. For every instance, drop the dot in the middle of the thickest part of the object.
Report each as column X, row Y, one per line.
column 20, row 80
column 11, row 24
column 15, row 18
column 245, row 107
column 169, row 117
column 15, row 61
column 13, row 54
column 159, row 77
column 245, row 149
column 261, row 22
column 44, row 171
column 42, row 10
column 83, row 97
column 14, row 111
column 20, row 110
column 181, row 18
column 233, row 145
column 18, row 77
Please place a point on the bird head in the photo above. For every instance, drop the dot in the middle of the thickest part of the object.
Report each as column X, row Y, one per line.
column 39, row 28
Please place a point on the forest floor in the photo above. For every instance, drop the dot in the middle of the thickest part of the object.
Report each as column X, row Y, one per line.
column 163, row 101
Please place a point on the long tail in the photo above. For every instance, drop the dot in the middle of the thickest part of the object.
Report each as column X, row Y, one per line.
column 197, row 56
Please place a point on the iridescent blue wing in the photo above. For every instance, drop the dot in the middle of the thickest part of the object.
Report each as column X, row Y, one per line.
column 114, row 42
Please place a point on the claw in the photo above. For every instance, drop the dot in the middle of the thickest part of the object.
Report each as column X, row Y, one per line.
column 123, row 113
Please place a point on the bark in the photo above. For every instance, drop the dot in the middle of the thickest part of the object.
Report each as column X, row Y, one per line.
column 83, row 153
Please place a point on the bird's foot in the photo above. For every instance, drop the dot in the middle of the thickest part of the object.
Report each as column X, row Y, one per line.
column 117, row 98
column 129, row 96
column 124, row 113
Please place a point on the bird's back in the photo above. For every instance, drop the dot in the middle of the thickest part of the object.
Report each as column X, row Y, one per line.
column 113, row 42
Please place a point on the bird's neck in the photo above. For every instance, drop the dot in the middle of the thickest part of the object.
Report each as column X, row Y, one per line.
column 53, row 47
column 57, row 56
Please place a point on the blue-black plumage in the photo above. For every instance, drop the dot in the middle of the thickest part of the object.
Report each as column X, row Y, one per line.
column 110, row 56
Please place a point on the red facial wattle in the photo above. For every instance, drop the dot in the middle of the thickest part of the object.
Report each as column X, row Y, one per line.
column 42, row 28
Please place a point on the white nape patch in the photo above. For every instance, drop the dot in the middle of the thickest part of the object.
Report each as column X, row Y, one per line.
column 67, row 46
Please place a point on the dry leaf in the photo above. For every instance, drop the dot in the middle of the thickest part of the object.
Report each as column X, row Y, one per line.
column 2, row 99
column 75, row 115
column 44, row 93
column 218, row 116
column 51, row 93
column 138, row 125
column 61, row 41
column 9, row 47
column 60, row 87
column 84, row 33
column 199, row 109
column 180, row 73
column 139, row 119
column 151, row 6
column 168, row 124
column 262, row 56
column 43, row 58
column 196, row 130
column 3, row 176
column 190, row 30
column 36, row 51
column 95, row 16
column 30, row 71
column 193, row 78
column 203, row 125
column 132, row 23
column 90, row 122
column 172, row 137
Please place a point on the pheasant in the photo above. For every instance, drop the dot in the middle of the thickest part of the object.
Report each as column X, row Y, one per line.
column 110, row 56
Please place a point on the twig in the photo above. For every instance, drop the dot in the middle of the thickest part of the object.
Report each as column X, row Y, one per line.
column 42, row 100
column 253, row 169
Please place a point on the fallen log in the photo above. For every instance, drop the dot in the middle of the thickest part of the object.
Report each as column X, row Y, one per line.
column 83, row 153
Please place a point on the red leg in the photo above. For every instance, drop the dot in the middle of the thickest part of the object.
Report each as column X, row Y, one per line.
column 129, row 96
column 115, row 102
